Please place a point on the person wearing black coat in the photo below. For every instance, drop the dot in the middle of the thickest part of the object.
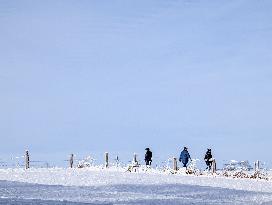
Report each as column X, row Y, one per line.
column 148, row 156
column 208, row 159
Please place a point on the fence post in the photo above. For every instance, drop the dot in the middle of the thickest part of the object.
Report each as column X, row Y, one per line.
column 117, row 161
column 135, row 163
column 175, row 164
column 135, row 159
column 213, row 166
column 27, row 159
column 257, row 165
column 106, row 159
column 71, row 161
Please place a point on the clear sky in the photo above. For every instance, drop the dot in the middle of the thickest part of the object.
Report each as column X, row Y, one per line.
column 118, row 76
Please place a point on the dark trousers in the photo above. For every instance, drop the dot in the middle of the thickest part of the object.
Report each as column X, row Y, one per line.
column 209, row 164
column 147, row 162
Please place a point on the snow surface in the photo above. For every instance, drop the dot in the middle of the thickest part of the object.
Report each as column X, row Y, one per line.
column 115, row 186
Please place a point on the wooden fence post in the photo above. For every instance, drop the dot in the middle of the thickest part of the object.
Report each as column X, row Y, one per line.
column 135, row 163
column 213, row 166
column 27, row 159
column 117, row 161
column 135, row 158
column 71, row 161
column 257, row 165
column 175, row 164
column 106, row 159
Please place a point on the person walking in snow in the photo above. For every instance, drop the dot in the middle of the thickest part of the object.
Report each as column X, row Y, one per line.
column 184, row 156
column 208, row 158
column 148, row 156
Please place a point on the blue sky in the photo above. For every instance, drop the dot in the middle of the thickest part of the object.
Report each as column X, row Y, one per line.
column 118, row 76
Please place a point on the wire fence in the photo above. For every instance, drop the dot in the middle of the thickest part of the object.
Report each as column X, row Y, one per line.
column 87, row 161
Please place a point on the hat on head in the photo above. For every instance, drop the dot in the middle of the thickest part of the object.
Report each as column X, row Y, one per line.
column 147, row 148
column 185, row 148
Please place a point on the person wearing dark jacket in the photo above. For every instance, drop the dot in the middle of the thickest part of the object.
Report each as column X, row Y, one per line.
column 208, row 158
column 148, row 156
column 184, row 156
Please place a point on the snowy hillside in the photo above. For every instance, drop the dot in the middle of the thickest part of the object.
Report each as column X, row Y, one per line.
column 116, row 186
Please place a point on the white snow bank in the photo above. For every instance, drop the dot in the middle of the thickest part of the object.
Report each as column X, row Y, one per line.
column 95, row 176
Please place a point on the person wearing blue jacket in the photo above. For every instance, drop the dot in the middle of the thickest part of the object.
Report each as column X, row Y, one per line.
column 184, row 157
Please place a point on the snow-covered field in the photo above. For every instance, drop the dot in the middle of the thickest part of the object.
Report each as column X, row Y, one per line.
column 115, row 186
